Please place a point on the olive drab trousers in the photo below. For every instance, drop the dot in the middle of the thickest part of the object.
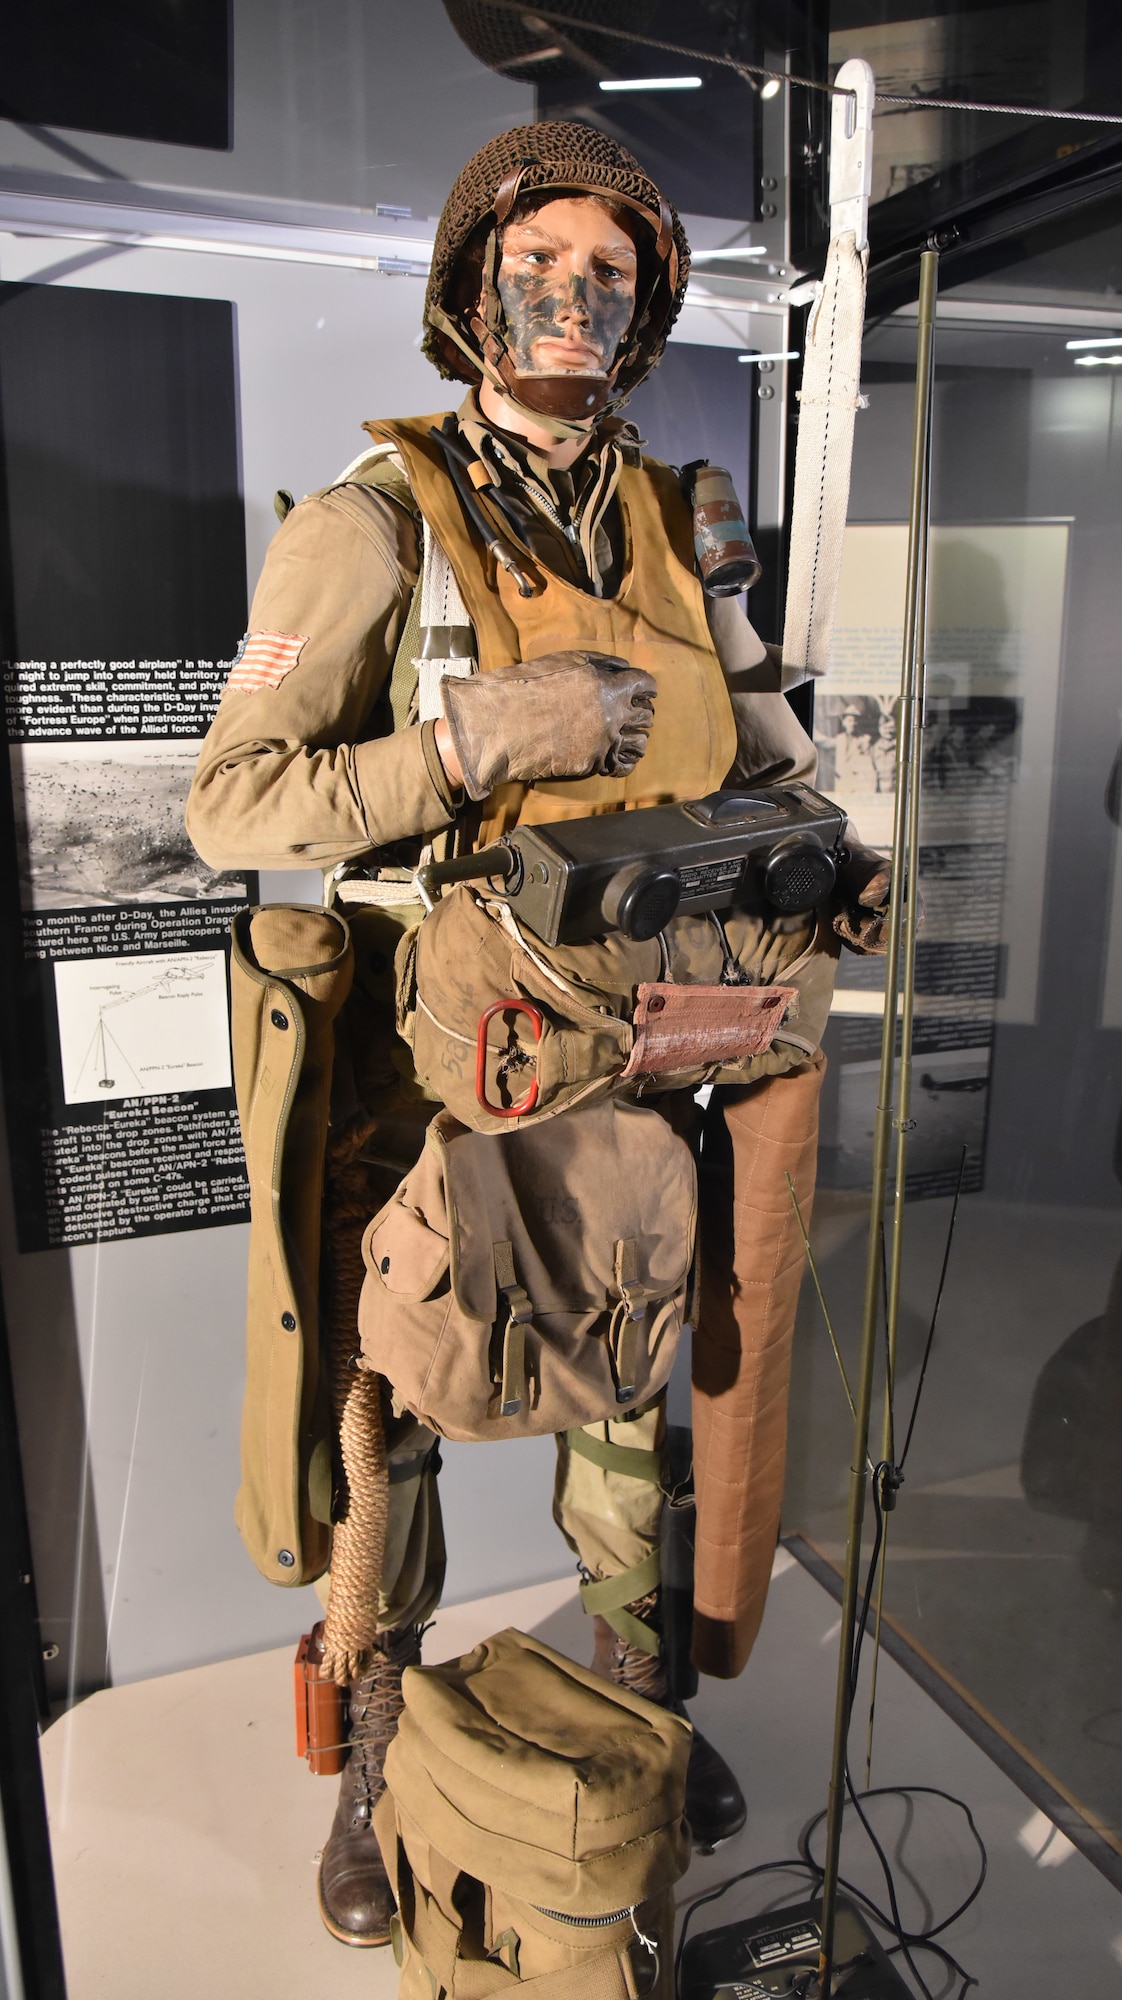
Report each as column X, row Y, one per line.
column 296, row 966
column 609, row 1517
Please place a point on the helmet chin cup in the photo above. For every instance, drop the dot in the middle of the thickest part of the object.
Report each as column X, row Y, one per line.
column 573, row 398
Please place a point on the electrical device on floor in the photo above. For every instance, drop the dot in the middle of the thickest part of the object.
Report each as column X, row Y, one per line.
column 778, row 1953
column 776, row 847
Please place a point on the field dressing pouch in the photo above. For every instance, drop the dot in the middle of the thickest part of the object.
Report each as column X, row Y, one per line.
column 532, row 1829
column 470, row 953
column 535, row 1280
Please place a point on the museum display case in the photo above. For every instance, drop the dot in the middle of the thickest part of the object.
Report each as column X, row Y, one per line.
column 205, row 286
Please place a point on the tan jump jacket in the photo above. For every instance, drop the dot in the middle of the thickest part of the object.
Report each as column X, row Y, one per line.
column 308, row 773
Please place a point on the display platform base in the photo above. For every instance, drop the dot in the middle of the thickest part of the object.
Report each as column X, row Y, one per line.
column 773, row 1954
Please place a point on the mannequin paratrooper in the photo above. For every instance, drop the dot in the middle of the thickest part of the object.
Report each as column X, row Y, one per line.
column 583, row 671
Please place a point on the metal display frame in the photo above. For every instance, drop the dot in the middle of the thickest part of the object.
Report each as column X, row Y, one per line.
column 31, row 1966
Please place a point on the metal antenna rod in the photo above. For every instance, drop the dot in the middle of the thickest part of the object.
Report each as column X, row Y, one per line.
column 901, row 942
column 915, row 644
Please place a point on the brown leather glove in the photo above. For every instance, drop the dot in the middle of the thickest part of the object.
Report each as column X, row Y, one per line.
column 567, row 715
column 864, row 887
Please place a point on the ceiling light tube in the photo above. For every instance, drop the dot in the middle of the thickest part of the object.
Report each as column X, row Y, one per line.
column 792, row 354
column 1098, row 360
column 1099, row 340
column 650, row 83
column 281, row 254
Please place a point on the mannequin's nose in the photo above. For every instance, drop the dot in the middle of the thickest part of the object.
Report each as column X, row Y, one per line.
column 574, row 305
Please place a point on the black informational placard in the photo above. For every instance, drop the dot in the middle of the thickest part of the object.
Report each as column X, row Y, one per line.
column 140, row 69
column 122, row 597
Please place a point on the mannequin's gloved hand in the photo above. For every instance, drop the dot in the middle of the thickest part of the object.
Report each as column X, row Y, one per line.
column 863, row 890
column 566, row 715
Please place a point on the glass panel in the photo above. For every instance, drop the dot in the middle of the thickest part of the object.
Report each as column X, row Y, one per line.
column 1058, row 264
column 1005, row 1553
column 929, row 163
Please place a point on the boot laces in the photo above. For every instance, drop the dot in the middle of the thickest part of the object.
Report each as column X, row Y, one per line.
column 633, row 1668
column 375, row 1709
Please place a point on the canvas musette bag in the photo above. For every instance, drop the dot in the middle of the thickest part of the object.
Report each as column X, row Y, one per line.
column 532, row 1829
column 532, row 1280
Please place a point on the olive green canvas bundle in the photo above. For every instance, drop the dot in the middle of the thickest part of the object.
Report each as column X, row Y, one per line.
column 470, row 953
column 291, row 970
column 532, row 1829
column 534, row 1280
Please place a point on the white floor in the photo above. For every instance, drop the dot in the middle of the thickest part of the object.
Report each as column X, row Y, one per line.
column 186, row 1832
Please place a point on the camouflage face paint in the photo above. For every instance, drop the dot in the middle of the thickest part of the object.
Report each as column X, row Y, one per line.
column 567, row 303
column 589, row 319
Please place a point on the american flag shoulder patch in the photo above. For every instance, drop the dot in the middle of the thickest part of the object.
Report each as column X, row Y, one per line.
column 263, row 659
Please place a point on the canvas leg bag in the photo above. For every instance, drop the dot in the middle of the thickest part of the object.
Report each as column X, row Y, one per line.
column 535, row 1280
column 532, row 1829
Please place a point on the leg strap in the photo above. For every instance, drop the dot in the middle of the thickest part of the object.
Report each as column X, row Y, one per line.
column 633, row 1464
column 610, row 1595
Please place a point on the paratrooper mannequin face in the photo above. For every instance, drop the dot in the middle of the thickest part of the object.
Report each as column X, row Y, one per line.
column 567, row 282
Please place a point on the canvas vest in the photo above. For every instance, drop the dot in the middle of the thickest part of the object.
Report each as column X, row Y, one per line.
column 655, row 621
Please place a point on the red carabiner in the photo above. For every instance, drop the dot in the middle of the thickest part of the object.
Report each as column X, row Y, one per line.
column 501, row 1007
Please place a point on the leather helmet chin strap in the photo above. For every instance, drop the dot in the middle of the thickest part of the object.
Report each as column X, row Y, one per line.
column 557, row 426
column 573, row 397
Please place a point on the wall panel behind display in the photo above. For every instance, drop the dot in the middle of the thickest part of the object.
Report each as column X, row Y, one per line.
column 122, row 592
column 698, row 404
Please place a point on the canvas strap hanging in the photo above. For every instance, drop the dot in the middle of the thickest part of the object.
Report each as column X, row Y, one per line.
column 830, row 395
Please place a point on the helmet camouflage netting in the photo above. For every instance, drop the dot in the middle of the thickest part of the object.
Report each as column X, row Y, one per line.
column 555, row 157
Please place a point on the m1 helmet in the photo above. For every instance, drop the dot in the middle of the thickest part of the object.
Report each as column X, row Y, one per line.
column 464, row 329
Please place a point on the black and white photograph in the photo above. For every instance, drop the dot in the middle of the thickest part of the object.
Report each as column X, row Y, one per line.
column 970, row 749
column 103, row 824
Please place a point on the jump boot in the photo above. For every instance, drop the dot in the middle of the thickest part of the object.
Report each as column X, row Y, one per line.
column 715, row 1805
column 355, row 1898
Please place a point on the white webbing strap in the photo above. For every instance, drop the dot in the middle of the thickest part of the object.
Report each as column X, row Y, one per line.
column 441, row 602
column 828, row 404
column 447, row 639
